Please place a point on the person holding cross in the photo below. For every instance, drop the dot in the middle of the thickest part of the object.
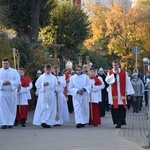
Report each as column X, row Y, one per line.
column 62, row 108
column 23, row 96
column 97, row 85
column 45, row 111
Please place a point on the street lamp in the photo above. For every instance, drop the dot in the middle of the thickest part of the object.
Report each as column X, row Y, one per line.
column 146, row 62
column 136, row 51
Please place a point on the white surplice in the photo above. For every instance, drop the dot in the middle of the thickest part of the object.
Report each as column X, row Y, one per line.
column 129, row 89
column 24, row 95
column 45, row 111
column 80, row 102
column 62, row 108
column 96, row 95
column 8, row 95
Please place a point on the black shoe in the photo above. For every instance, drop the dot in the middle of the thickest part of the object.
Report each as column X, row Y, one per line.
column 48, row 126
column 95, row 125
column 82, row 125
column 57, row 125
column 4, row 127
column 23, row 125
column 16, row 123
column 10, row 127
column 118, row 125
column 79, row 125
column 44, row 125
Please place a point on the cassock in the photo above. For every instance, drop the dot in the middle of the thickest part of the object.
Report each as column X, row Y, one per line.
column 95, row 97
column 119, row 87
column 67, row 76
column 62, row 108
column 8, row 95
column 45, row 111
column 23, row 96
column 80, row 102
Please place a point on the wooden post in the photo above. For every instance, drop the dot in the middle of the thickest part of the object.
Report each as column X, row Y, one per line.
column 14, row 55
column 55, row 50
column 88, row 61
column 18, row 59
column 80, row 60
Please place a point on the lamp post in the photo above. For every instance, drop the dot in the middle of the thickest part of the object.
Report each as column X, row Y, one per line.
column 146, row 62
column 136, row 51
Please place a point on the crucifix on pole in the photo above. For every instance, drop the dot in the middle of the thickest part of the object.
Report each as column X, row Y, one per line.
column 88, row 61
column 16, row 55
column 55, row 45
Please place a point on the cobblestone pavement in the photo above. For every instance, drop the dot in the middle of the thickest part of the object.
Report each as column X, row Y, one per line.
column 66, row 137
column 137, row 128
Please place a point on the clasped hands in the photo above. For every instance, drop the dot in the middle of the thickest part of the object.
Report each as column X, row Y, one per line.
column 6, row 82
column 81, row 91
column 46, row 84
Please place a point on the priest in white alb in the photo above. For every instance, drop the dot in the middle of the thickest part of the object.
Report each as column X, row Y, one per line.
column 79, row 87
column 120, row 89
column 62, row 113
column 45, row 111
column 9, row 82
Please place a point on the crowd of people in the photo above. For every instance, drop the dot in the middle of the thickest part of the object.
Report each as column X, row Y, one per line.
column 86, row 91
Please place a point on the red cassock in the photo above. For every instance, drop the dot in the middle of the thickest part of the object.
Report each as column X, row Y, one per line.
column 95, row 118
column 22, row 110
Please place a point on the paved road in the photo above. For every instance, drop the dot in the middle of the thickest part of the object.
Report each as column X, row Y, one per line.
column 67, row 137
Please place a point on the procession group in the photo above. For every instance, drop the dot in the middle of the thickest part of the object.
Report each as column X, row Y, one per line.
column 78, row 91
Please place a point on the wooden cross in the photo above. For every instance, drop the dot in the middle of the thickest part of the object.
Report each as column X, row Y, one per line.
column 55, row 45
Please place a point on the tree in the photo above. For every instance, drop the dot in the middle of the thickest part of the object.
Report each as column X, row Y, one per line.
column 70, row 25
column 5, row 45
column 124, row 30
column 98, row 42
column 36, row 7
column 25, row 16
column 143, row 8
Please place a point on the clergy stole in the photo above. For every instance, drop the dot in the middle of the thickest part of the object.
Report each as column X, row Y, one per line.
column 122, row 78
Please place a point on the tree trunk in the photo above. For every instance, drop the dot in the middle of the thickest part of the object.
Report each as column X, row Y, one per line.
column 35, row 13
column 36, row 6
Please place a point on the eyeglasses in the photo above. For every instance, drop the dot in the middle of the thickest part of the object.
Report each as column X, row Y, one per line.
column 5, row 63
